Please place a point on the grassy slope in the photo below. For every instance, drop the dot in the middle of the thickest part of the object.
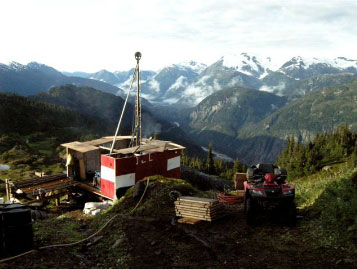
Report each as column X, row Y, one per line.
column 330, row 200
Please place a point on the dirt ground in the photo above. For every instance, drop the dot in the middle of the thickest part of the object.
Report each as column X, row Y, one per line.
column 144, row 242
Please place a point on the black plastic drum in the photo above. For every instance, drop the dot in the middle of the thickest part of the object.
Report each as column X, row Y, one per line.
column 16, row 229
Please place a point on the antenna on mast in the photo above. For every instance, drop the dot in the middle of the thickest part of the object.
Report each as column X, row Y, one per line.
column 138, row 102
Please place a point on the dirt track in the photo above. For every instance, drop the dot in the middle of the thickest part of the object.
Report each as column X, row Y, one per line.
column 228, row 242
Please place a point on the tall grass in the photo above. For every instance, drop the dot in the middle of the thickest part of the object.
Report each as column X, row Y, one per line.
column 309, row 188
column 330, row 201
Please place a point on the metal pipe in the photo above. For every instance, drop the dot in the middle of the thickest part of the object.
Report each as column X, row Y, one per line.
column 122, row 112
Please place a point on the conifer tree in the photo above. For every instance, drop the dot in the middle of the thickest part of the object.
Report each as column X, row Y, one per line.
column 210, row 161
column 237, row 166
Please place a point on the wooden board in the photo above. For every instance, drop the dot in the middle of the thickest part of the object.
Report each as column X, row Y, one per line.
column 192, row 199
column 200, row 209
column 37, row 181
column 49, row 186
column 193, row 204
column 187, row 220
column 198, row 214
column 198, row 217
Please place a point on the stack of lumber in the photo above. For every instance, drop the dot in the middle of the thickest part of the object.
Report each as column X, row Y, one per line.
column 199, row 208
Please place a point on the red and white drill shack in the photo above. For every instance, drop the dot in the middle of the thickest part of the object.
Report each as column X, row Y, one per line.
column 122, row 160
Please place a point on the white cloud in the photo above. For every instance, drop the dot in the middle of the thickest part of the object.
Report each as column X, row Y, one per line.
column 90, row 35
column 154, row 85
column 179, row 83
column 278, row 89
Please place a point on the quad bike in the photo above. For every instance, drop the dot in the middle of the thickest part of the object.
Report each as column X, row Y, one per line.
column 266, row 191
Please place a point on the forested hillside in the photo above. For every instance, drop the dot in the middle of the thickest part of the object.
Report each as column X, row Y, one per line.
column 23, row 116
column 324, row 150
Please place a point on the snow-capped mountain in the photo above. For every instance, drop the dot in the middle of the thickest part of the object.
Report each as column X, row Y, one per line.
column 300, row 75
column 105, row 76
column 189, row 83
column 167, row 85
column 220, row 75
column 301, row 68
column 344, row 63
column 249, row 65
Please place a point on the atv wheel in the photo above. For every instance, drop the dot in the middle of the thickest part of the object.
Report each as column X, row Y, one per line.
column 291, row 215
column 250, row 211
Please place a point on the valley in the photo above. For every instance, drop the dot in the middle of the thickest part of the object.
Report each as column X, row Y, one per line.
column 245, row 106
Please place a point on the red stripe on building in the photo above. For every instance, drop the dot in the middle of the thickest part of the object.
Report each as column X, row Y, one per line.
column 107, row 188
column 107, row 161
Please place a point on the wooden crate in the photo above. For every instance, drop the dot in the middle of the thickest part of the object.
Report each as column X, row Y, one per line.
column 238, row 181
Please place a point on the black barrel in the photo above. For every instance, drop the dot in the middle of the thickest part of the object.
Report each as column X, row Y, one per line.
column 1, row 237
column 17, row 232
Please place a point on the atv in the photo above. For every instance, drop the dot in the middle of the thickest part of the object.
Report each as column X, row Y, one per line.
column 266, row 191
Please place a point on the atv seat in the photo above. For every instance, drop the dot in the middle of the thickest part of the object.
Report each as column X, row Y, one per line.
column 256, row 173
column 266, row 168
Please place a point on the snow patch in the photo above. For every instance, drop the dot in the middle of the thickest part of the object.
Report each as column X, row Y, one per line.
column 196, row 67
column 304, row 62
column 342, row 62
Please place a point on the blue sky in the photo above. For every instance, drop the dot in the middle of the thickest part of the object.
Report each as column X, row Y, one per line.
column 89, row 35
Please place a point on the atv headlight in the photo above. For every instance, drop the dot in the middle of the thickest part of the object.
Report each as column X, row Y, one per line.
column 257, row 192
column 289, row 192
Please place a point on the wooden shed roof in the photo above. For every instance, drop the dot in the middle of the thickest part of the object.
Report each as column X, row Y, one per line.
column 79, row 146
column 148, row 146
column 105, row 140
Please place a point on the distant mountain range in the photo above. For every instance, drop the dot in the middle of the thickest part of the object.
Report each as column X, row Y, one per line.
column 187, row 84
